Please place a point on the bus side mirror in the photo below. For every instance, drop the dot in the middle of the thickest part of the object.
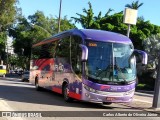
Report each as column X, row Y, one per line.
column 84, row 56
column 141, row 56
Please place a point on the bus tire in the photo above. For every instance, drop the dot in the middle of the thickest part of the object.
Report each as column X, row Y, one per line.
column 38, row 88
column 66, row 93
column 107, row 103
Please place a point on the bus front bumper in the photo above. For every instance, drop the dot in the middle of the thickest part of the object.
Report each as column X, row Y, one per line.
column 110, row 97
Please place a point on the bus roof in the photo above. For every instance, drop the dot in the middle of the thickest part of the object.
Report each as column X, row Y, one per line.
column 105, row 36
column 92, row 34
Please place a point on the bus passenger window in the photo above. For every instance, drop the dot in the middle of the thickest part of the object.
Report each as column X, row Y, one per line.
column 76, row 53
column 63, row 49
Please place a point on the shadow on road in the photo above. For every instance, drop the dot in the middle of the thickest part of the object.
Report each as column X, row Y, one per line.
column 15, row 90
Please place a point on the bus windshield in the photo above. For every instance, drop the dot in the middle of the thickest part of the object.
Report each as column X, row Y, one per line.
column 110, row 63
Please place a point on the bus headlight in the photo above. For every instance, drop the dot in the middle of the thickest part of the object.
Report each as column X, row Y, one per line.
column 129, row 92
column 90, row 89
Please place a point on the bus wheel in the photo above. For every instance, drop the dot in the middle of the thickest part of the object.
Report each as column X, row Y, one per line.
column 107, row 103
column 66, row 93
column 38, row 88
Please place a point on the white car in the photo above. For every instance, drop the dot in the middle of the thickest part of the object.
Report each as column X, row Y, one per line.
column 25, row 76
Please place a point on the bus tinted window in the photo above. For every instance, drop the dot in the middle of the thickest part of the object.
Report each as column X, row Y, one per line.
column 63, row 49
column 76, row 54
column 44, row 51
column 36, row 52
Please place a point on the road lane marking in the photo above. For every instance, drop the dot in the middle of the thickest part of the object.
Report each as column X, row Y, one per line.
column 142, row 101
column 5, row 107
column 12, row 78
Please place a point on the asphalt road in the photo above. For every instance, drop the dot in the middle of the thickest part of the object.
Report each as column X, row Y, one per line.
column 22, row 96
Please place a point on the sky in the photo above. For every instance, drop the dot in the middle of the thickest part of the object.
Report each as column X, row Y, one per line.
column 150, row 9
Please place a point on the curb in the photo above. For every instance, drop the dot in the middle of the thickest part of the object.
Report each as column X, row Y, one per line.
column 144, row 91
column 154, row 110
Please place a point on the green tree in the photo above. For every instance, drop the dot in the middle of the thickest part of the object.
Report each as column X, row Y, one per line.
column 41, row 20
column 50, row 24
column 13, row 60
column 89, row 21
column 101, row 21
column 28, row 32
column 65, row 24
column 25, row 34
column 152, row 47
column 114, row 23
column 86, row 21
column 8, row 11
column 134, row 5
column 142, row 31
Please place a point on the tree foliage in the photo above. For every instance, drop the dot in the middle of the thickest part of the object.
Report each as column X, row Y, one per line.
column 32, row 30
column 114, row 22
column 8, row 12
column 90, row 21
column 134, row 5
column 39, row 19
column 152, row 47
column 27, row 31
column 86, row 21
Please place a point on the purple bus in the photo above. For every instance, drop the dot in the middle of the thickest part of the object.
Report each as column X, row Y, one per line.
column 89, row 65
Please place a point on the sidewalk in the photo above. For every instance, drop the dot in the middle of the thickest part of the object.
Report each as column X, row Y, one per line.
column 142, row 106
column 148, row 94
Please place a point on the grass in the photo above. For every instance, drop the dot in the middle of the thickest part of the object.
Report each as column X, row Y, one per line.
column 144, row 87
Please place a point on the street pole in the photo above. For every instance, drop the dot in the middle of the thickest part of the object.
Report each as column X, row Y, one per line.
column 128, row 31
column 7, row 61
column 6, row 47
column 59, row 19
column 156, row 98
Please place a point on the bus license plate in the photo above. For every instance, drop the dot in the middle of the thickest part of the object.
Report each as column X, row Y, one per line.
column 110, row 98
